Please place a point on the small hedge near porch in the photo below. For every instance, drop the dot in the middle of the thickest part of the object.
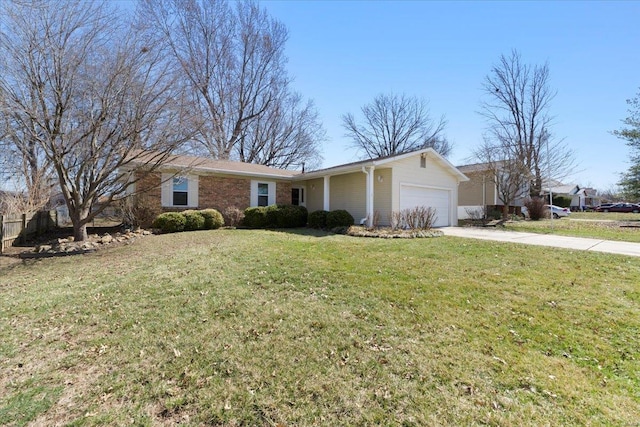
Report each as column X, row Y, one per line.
column 275, row 216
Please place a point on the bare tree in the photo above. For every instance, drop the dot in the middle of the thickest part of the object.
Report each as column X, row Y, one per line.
column 517, row 112
column 24, row 163
column 395, row 124
column 507, row 173
column 232, row 59
column 90, row 95
column 286, row 136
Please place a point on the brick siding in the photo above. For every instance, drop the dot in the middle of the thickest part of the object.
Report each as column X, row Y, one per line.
column 283, row 192
column 223, row 192
column 217, row 192
column 149, row 187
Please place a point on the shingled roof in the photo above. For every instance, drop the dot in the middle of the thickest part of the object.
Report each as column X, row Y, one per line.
column 203, row 164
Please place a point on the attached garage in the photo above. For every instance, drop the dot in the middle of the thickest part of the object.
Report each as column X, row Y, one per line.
column 374, row 190
column 412, row 196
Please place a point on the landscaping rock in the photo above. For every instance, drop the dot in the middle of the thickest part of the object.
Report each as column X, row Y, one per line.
column 106, row 239
column 67, row 246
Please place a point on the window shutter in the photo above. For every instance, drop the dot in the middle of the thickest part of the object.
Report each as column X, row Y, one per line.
column 193, row 191
column 167, row 190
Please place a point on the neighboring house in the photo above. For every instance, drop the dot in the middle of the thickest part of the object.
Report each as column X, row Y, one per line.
column 481, row 191
column 581, row 198
column 588, row 198
column 365, row 189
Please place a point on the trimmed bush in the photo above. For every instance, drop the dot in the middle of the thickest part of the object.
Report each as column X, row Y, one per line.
column 291, row 216
column 193, row 220
column 170, row 222
column 318, row 219
column 275, row 216
column 255, row 217
column 212, row 219
column 339, row 218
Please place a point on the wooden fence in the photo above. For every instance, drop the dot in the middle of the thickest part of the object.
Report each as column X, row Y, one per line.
column 18, row 228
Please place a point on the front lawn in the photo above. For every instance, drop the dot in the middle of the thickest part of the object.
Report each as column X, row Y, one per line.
column 607, row 226
column 238, row 327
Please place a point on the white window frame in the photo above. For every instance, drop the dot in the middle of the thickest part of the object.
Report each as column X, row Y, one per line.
column 167, row 191
column 271, row 198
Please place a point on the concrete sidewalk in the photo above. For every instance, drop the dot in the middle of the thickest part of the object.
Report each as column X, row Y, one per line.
column 579, row 243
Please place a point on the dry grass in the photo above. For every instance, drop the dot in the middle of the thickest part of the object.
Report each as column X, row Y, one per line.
column 233, row 327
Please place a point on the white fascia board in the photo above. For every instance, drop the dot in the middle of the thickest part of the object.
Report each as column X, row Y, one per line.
column 337, row 170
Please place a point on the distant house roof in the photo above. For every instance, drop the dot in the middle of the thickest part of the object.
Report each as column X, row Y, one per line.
column 588, row 192
column 480, row 167
column 475, row 167
column 566, row 189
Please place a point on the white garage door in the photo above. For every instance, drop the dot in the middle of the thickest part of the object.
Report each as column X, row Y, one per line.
column 412, row 196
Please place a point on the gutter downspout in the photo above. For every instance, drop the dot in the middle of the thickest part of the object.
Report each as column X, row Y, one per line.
column 369, row 195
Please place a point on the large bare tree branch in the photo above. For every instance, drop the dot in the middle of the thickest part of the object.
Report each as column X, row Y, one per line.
column 232, row 59
column 92, row 95
column 394, row 124
column 516, row 107
column 286, row 136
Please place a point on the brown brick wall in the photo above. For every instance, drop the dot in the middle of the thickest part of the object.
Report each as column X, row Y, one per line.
column 148, row 187
column 223, row 192
column 283, row 192
column 217, row 192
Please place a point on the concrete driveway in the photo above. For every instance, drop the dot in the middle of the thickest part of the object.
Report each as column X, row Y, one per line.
column 578, row 243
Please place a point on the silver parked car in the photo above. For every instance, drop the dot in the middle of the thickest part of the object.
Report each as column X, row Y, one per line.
column 557, row 211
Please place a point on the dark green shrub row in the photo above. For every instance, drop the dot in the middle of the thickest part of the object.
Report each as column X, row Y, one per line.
column 172, row 222
column 275, row 216
column 339, row 218
column 318, row 219
column 330, row 220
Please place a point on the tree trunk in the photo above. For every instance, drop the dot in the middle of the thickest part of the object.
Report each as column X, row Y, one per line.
column 79, row 221
column 80, row 232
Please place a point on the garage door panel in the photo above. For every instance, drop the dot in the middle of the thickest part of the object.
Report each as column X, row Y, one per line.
column 412, row 196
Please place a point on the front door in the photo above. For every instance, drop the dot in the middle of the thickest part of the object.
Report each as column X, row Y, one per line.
column 298, row 196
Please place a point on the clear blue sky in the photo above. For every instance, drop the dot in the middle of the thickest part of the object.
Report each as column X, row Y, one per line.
column 343, row 53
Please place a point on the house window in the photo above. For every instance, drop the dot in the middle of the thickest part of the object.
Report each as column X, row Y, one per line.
column 180, row 191
column 263, row 194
